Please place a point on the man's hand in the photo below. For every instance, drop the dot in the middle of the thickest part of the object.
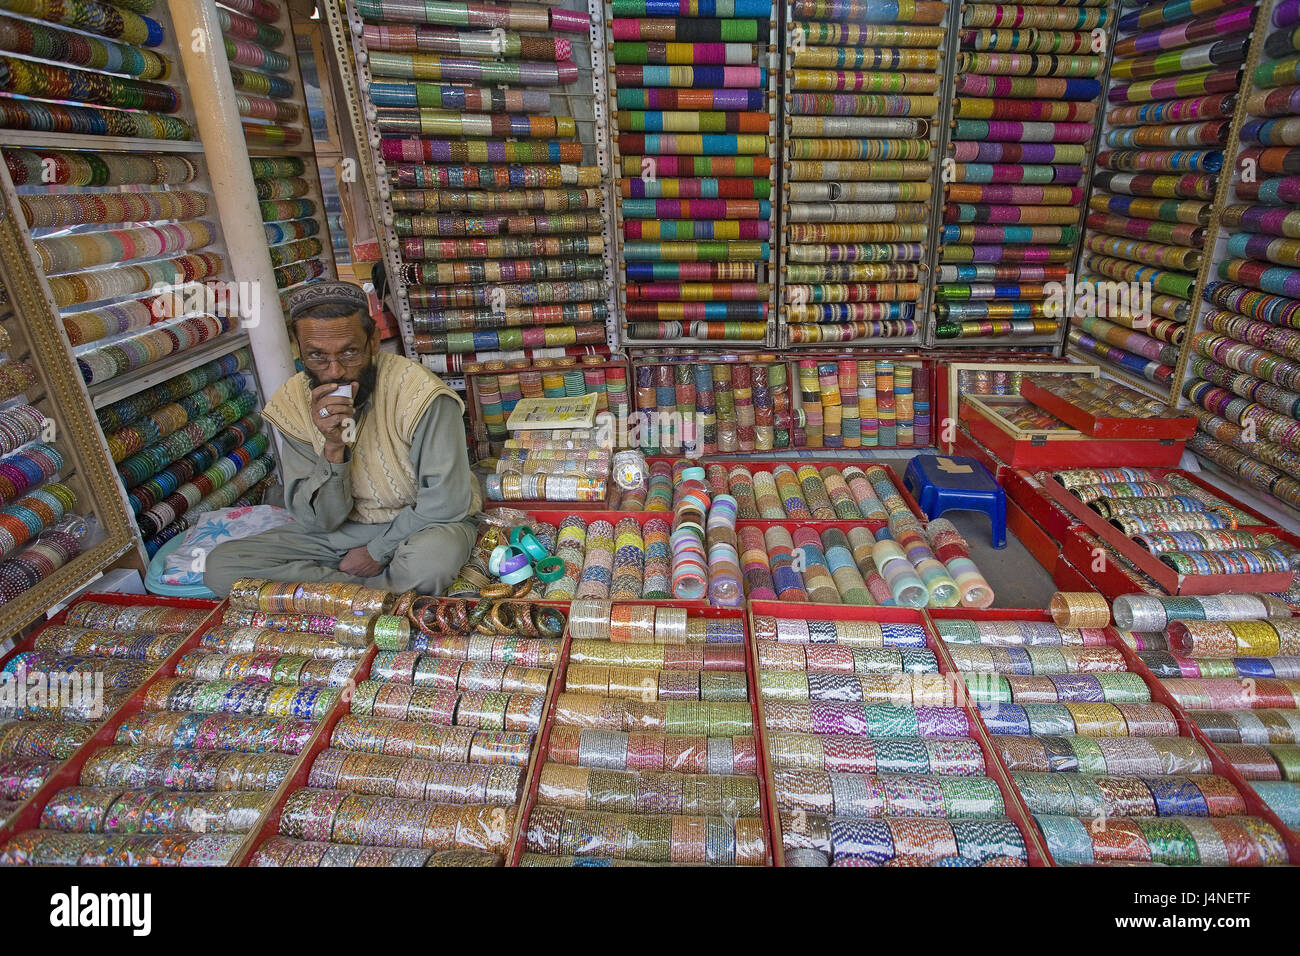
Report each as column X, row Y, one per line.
column 358, row 562
column 337, row 411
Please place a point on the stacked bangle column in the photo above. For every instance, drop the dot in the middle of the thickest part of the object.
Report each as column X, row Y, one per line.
column 497, row 206
column 1028, row 82
column 258, row 37
column 694, row 137
column 1171, row 99
column 1243, row 368
column 861, row 85
column 189, row 445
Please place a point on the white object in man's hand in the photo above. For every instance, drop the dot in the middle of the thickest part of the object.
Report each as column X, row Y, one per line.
column 331, row 409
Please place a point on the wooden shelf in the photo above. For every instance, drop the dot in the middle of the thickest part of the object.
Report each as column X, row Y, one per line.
column 124, row 386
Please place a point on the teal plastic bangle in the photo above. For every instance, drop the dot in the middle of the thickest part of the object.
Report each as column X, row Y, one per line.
column 529, row 543
column 550, row 569
column 515, row 577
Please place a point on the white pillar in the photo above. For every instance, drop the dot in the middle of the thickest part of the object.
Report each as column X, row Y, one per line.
column 213, row 94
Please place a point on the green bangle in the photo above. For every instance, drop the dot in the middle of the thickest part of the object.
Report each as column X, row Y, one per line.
column 550, row 569
column 523, row 538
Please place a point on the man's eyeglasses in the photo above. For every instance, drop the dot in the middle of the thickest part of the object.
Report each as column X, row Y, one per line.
column 349, row 359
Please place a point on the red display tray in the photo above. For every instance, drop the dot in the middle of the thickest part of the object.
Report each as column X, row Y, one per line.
column 542, row 745
column 1044, row 449
column 946, row 399
column 1036, row 541
column 28, row 815
column 963, row 445
column 1159, row 694
column 1017, row 812
column 1218, row 762
column 1021, row 488
column 320, row 740
column 1067, row 577
column 1104, row 426
column 1162, row 574
column 1098, row 566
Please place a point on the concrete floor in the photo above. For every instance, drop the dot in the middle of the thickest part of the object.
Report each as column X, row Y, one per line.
column 1017, row 578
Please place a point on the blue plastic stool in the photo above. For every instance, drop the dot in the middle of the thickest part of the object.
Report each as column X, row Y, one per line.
column 945, row 484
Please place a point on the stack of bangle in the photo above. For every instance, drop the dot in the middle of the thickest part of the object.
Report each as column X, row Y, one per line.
column 94, row 642
column 202, row 664
column 1079, row 609
column 19, row 425
column 223, row 732
column 33, row 513
column 339, row 600
column 435, row 618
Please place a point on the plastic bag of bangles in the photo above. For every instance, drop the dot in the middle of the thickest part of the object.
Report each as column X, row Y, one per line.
column 1275, row 726
column 1171, row 841
column 707, row 718
column 84, row 701
column 152, row 811
column 429, row 740
column 99, row 642
column 521, row 651
column 40, row 739
column 222, row 732
column 409, row 667
column 476, row 710
column 887, row 795
column 52, row 848
column 653, row 751
column 338, row 600
column 185, row 770
column 283, row 851
column 647, row 838
column 811, row 839
column 363, row 819
column 1097, row 796
column 201, row 664
column 257, row 698
column 142, row 618
column 252, row 639
column 108, row 674
column 416, row 779
column 20, row 778
column 584, row 788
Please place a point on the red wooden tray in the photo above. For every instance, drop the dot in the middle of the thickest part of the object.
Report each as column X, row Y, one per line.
column 1021, row 487
column 1067, row 450
column 1106, row 426
column 1017, row 812
column 1161, row 573
column 542, row 745
column 320, row 740
column 964, row 445
column 28, row 815
column 1186, row 727
column 1218, row 762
